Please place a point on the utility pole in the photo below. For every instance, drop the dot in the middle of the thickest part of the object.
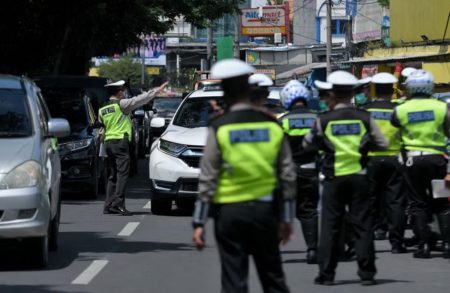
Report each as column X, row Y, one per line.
column 329, row 41
column 209, row 45
column 237, row 35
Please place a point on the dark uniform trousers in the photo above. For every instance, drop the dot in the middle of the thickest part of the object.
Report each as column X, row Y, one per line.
column 339, row 192
column 119, row 166
column 307, row 201
column 388, row 195
column 249, row 228
column 421, row 202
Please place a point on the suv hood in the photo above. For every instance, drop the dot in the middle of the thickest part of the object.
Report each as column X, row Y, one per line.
column 14, row 152
column 187, row 136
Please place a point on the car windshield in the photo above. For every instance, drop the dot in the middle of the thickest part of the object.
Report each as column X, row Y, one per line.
column 68, row 104
column 14, row 114
column 196, row 112
column 166, row 107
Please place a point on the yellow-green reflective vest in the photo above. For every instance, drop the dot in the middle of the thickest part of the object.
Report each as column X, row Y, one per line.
column 249, row 154
column 117, row 124
column 298, row 124
column 381, row 112
column 422, row 125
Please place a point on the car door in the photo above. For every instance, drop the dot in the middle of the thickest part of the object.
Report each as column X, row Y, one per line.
column 50, row 155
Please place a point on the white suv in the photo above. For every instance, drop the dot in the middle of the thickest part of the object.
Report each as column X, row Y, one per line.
column 175, row 156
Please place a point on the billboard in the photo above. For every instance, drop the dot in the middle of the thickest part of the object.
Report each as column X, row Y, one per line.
column 265, row 21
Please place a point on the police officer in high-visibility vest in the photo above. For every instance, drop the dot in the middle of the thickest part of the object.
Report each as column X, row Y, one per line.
column 385, row 172
column 345, row 134
column 296, row 123
column 424, row 123
column 245, row 158
column 260, row 84
column 115, row 118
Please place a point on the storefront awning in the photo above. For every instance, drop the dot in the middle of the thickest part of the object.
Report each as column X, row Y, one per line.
column 366, row 60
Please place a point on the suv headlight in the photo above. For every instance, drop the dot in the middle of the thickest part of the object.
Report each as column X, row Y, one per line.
column 27, row 174
column 171, row 148
column 75, row 145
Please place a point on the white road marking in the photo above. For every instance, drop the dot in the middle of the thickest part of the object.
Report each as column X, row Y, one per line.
column 90, row 272
column 128, row 229
column 148, row 205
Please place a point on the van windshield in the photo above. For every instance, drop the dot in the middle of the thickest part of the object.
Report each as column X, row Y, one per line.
column 15, row 118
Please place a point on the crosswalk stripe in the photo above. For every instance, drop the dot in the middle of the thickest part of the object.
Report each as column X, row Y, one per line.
column 90, row 272
column 148, row 205
column 128, row 229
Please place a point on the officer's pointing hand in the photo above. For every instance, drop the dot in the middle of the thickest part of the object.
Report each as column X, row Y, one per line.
column 286, row 231
column 162, row 87
column 198, row 239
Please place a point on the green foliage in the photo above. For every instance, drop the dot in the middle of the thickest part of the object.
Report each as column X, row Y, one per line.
column 125, row 68
column 384, row 3
column 182, row 81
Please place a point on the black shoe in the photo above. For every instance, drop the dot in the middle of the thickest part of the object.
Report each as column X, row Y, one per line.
column 397, row 249
column 110, row 211
column 423, row 251
column 380, row 234
column 321, row 280
column 368, row 282
column 119, row 210
column 311, row 256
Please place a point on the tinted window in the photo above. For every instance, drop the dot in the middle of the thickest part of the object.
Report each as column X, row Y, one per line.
column 15, row 118
column 196, row 112
column 68, row 104
column 166, row 107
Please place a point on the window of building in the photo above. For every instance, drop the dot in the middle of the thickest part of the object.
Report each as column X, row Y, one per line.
column 339, row 27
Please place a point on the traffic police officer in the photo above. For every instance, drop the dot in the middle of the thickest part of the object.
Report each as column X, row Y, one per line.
column 385, row 174
column 259, row 88
column 296, row 123
column 345, row 135
column 245, row 158
column 424, row 123
column 115, row 118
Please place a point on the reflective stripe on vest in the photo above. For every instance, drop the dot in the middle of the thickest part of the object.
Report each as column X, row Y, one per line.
column 249, row 153
column 116, row 123
column 346, row 137
column 298, row 124
column 382, row 118
column 422, row 123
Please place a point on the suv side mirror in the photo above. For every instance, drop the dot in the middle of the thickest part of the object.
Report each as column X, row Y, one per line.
column 58, row 127
column 139, row 113
column 157, row 122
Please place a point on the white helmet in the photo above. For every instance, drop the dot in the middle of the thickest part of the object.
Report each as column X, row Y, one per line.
column 322, row 85
column 420, row 82
column 260, row 79
column 407, row 71
column 343, row 78
column 229, row 68
column 384, row 78
column 292, row 92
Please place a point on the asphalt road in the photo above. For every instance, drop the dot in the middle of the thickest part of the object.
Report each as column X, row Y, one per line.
column 149, row 253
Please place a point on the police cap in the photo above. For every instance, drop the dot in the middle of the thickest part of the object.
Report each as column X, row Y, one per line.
column 229, row 68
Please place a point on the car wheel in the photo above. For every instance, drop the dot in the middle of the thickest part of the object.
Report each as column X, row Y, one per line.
column 161, row 206
column 38, row 250
column 54, row 230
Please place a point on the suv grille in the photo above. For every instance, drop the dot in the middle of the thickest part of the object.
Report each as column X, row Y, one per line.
column 192, row 156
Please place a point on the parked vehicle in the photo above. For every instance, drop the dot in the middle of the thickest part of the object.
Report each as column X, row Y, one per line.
column 30, row 168
column 163, row 107
column 81, row 167
column 175, row 156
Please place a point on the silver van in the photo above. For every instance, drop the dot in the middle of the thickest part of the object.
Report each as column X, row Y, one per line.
column 30, row 168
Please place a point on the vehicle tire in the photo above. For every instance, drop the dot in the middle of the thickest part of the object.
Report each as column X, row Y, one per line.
column 38, row 248
column 54, row 230
column 161, row 206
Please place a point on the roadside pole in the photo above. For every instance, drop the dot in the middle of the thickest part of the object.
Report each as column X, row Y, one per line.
column 329, row 41
column 237, row 34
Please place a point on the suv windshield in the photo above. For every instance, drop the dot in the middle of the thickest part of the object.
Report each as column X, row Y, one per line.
column 68, row 104
column 166, row 107
column 196, row 112
column 14, row 114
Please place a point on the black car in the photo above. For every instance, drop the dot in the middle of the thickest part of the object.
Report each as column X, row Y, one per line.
column 164, row 107
column 82, row 169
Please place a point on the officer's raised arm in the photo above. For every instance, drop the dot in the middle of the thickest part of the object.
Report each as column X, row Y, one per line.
column 129, row 105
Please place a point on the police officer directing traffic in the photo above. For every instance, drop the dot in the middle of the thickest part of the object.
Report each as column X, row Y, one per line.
column 245, row 158
column 345, row 134
column 296, row 123
column 424, row 123
column 385, row 174
column 117, row 123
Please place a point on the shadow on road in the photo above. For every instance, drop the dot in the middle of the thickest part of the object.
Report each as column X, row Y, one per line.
column 29, row 289
column 379, row 281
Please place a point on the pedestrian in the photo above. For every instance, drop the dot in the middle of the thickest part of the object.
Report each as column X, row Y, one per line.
column 384, row 169
column 424, row 123
column 296, row 123
column 117, row 123
column 345, row 134
column 245, row 158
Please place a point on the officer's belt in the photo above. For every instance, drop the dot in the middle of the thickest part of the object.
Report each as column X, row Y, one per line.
column 419, row 153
